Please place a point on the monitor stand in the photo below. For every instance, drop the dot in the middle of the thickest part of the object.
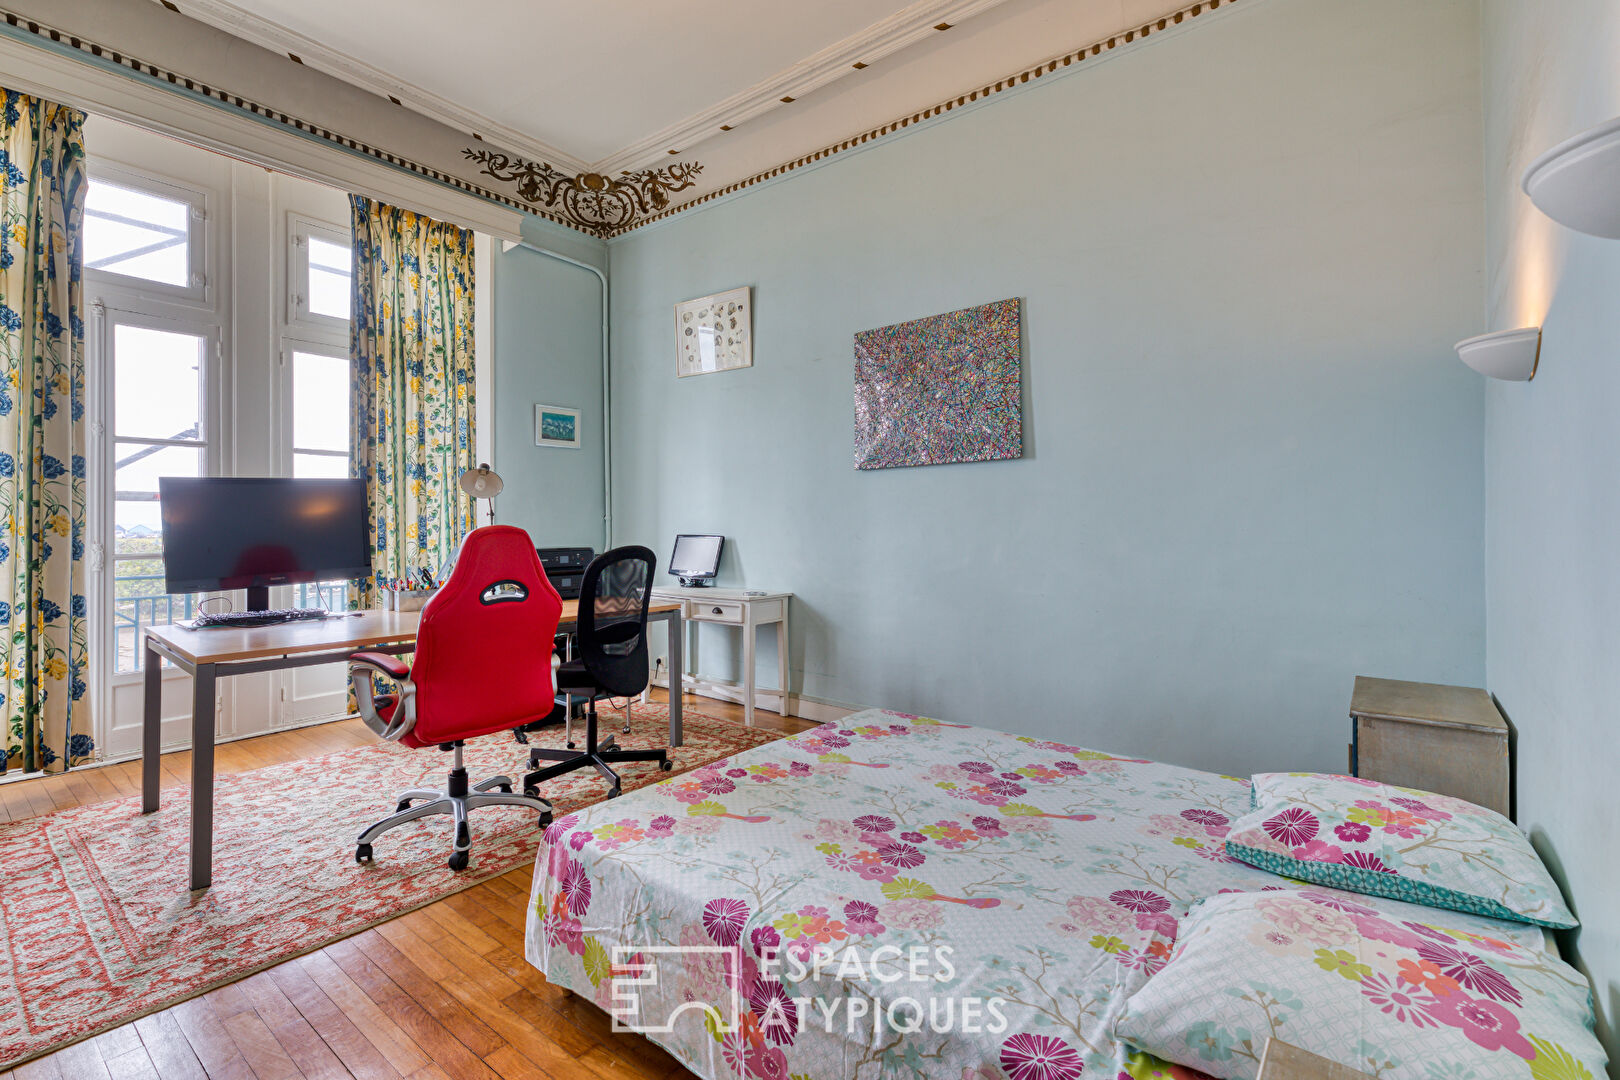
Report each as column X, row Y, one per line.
column 696, row 583
column 258, row 598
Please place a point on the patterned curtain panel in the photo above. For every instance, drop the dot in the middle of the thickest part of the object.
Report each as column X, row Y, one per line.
column 411, row 340
column 42, row 608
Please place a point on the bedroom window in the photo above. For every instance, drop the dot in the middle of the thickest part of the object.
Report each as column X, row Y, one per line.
column 158, row 372
column 318, row 261
column 144, row 229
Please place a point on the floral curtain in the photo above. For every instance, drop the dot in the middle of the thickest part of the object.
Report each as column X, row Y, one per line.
column 411, row 341
column 42, row 500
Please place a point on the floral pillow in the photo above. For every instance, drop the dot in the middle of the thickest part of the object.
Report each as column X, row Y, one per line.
column 1389, row 841
column 1364, row 987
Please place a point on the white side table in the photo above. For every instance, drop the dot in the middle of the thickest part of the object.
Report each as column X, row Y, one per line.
column 746, row 609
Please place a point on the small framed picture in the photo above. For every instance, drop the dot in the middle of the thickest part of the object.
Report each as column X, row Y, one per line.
column 555, row 425
column 714, row 333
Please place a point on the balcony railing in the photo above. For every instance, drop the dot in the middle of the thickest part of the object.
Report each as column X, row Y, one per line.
column 133, row 614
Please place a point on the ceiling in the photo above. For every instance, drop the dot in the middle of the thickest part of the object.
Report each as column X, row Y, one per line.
column 728, row 88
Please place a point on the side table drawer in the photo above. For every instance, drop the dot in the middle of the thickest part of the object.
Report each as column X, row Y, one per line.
column 717, row 611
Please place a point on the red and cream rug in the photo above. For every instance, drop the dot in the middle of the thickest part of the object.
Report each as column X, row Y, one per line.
column 97, row 926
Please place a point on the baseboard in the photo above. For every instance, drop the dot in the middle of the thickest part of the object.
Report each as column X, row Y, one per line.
column 821, row 710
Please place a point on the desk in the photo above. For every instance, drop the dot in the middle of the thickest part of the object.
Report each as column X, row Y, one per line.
column 207, row 655
column 741, row 608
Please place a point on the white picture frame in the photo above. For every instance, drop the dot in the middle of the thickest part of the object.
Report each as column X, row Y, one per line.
column 714, row 333
column 556, row 425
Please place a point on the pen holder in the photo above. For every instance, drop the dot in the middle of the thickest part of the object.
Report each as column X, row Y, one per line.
column 406, row 599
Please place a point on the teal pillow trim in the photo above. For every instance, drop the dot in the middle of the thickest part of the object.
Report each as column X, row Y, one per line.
column 1374, row 883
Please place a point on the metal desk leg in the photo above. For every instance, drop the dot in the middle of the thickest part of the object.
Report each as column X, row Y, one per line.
column 151, row 731
column 749, row 634
column 202, row 777
column 677, row 675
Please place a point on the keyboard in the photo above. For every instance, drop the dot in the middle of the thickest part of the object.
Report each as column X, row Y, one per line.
column 256, row 618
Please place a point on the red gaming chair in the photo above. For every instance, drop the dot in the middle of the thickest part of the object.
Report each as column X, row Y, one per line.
column 483, row 664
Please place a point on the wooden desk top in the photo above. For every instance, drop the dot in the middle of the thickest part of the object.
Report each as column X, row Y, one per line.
column 223, row 644
column 1425, row 703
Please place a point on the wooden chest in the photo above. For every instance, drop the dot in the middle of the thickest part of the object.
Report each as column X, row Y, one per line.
column 1446, row 739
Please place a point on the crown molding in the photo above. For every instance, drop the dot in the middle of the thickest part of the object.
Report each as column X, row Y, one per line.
column 226, row 16
column 1098, row 48
column 905, row 27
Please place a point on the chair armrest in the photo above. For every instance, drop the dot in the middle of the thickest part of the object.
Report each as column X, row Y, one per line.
column 392, row 666
column 364, row 667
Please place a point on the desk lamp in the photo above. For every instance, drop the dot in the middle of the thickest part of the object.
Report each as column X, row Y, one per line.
column 482, row 483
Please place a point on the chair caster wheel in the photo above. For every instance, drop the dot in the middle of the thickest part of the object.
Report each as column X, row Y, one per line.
column 545, row 818
column 362, row 853
column 404, row 804
column 458, row 860
column 571, row 746
column 614, row 792
column 666, row 765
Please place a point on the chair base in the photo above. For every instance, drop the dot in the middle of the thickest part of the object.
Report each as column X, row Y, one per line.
column 455, row 801
column 597, row 754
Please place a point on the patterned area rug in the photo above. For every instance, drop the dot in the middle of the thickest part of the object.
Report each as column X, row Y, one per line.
column 97, row 926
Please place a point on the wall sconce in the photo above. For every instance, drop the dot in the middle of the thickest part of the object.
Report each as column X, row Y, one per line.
column 1577, row 182
column 1506, row 354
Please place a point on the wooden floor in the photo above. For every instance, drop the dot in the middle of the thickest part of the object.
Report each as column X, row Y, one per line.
column 443, row 992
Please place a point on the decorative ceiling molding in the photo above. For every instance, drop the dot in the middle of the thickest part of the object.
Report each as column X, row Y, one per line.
column 911, row 24
column 95, row 52
column 905, row 27
column 226, row 16
column 1096, row 48
column 591, row 201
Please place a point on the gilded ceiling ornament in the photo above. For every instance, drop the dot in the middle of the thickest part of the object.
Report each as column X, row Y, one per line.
column 595, row 202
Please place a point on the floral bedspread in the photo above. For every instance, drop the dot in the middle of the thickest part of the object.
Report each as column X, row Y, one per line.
column 887, row 897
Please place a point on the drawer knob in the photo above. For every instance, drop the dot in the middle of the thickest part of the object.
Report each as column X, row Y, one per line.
column 716, row 611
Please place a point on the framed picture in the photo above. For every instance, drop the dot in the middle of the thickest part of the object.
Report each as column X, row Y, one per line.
column 714, row 333
column 556, row 425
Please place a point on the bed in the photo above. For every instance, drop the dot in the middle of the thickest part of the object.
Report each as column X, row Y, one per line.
column 888, row 896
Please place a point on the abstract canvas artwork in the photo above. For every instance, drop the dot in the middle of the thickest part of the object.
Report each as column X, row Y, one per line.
column 940, row 389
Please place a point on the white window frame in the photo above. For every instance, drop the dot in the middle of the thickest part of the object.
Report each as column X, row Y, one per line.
column 111, row 312
column 299, row 230
column 197, row 239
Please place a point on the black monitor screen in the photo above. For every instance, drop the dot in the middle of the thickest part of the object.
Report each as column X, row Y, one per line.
column 696, row 556
column 237, row 532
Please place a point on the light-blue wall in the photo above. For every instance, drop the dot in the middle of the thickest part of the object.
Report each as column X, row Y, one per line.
column 548, row 350
column 1253, row 463
column 1552, row 464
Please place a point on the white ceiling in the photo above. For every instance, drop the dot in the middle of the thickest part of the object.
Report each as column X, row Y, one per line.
column 602, row 84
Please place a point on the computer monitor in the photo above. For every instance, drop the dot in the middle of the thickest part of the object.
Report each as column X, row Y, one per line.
column 254, row 532
column 696, row 559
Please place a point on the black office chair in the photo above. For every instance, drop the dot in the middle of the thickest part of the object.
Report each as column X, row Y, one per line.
column 611, row 661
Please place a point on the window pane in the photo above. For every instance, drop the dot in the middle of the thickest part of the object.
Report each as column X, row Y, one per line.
column 137, row 527
column 136, row 514
column 329, row 275
column 137, row 233
column 157, row 383
column 320, row 402
column 320, row 466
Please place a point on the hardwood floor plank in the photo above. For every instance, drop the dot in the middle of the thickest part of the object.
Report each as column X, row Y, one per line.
column 511, row 1065
column 168, row 1048
column 353, row 1049
column 263, row 1053
column 397, row 1046
column 437, row 1041
column 427, row 993
column 306, row 1048
column 135, row 1065
column 213, row 1045
column 84, row 1060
